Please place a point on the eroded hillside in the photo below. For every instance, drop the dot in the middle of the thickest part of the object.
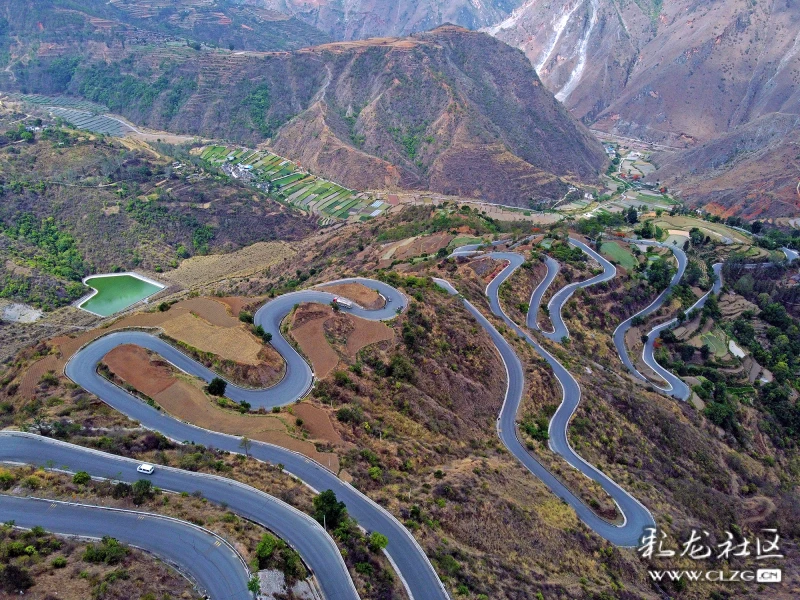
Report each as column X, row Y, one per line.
column 451, row 111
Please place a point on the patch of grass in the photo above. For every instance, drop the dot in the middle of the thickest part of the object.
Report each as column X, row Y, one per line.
column 716, row 343
column 619, row 255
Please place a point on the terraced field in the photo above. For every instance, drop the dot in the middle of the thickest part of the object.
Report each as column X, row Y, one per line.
column 80, row 113
column 716, row 341
column 286, row 181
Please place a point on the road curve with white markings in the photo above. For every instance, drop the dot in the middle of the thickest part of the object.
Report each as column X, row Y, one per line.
column 210, row 562
column 413, row 566
column 540, row 290
column 560, row 298
column 673, row 387
column 302, row 532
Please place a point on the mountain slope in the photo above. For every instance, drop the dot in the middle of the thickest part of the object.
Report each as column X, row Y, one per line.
column 682, row 73
column 685, row 68
column 359, row 19
column 752, row 171
column 222, row 23
column 451, row 111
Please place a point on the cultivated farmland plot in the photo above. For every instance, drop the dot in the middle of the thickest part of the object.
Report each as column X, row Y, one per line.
column 80, row 113
column 293, row 185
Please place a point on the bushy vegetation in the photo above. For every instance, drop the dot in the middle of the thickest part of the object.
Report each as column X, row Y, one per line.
column 108, row 551
column 56, row 251
column 101, row 211
column 273, row 553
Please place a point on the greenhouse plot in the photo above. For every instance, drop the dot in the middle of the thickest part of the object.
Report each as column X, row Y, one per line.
column 92, row 122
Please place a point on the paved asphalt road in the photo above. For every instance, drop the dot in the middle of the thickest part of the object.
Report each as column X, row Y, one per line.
column 298, row 377
column 536, row 297
column 302, row 532
column 217, row 569
column 636, row 516
column 676, row 387
column 558, row 300
column 410, row 561
column 622, row 328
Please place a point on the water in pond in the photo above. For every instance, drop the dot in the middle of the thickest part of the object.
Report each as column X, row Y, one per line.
column 116, row 293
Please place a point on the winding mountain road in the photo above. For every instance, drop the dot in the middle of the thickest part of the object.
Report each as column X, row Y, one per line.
column 408, row 558
column 539, row 292
column 636, row 517
column 560, row 298
column 406, row 555
column 676, row 387
column 211, row 563
column 302, row 532
column 674, row 384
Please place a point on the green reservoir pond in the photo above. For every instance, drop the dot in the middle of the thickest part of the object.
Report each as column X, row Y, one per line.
column 116, row 293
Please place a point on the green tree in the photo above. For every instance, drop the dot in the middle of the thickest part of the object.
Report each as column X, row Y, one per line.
column 142, row 490
column 217, row 386
column 245, row 445
column 377, row 541
column 265, row 549
column 693, row 273
column 328, row 510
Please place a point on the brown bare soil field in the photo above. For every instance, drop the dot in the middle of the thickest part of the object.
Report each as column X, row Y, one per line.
column 236, row 304
column 733, row 305
column 27, row 387
column 314, row 326
column 233, row 343
column 185, row 400
column 358, row 293
column 415, row 246
column 421, row 245
column 365, row 333
column 233, row 338
column 310, row 336
column 318, row 423
column 200, row 270
column 134, row 365
column 211, row 310
column 390, row 249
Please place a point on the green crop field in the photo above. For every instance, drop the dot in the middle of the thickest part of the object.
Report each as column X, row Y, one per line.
column 619, row 255
column 310, row 193
column 715, row 341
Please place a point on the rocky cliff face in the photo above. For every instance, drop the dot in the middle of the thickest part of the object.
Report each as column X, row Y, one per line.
column 667, row 72
column 712, row 76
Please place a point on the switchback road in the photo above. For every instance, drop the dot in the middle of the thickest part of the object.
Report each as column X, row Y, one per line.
column 410, row 561
column 636, row 516
column 299, row 530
